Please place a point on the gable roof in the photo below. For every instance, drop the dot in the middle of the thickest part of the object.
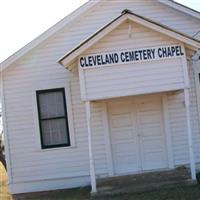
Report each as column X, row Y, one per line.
column 182, row 8
column 190, row 42
column 69, row 19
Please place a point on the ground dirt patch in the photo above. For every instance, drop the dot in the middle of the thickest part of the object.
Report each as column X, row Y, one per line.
column 176, row 193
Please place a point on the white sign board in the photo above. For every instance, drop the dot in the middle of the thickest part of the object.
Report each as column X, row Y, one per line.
column 130, row 56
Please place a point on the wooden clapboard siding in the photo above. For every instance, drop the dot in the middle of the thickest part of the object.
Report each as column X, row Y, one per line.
column 195, row 121
column 46, row 185
column 40, row 64
column 178, row 123
column 29, row 163
column 137, row 78
column 141, row 37
column 158, row 12
column 177, row 118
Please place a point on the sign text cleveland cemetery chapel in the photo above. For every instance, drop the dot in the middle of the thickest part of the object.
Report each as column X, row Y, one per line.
column 130, row 56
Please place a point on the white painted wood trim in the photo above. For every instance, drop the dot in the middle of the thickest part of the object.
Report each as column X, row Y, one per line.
column 46, row 185
column 107, row 140
column 82, row 83
column 53, row 177
column 5, row 131
column 70, row 114
column 185, row 68
column 144, row 92
column 91, row 159
column 53, row 85
column 167, row 131
column 189, row 131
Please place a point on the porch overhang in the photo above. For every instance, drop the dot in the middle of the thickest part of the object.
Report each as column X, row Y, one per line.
column 158, row 65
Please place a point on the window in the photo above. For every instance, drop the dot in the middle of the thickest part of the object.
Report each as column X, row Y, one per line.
column 199, row 78
column 53, row 121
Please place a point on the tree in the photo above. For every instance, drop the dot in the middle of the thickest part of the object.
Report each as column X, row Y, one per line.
column 2, row 151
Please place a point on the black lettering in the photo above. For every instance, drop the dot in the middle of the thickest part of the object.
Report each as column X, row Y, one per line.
column 86, row 63
column 107, row 59
column 140, row 52
column 112, row 56
column 136, row 56
column 160, row 53
column 145, row 54
column 169, row 52
column 123, row 57
column 99, row 59
column 116, row 58
column 127, row 56
column 149, row 54
column 174, row 51
column 90, row 61
column 94, row 58
column 164, row 50
column 102, row 60
column 153, row 51
column 182, row 53
column 132, row 56
column 82, row 62
column 179, row 51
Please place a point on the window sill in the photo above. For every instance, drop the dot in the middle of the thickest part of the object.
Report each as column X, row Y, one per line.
column 57, row 148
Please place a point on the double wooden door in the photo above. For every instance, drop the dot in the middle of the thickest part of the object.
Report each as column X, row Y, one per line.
column 137, row 135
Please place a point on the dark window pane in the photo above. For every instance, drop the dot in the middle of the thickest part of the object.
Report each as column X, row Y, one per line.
column 54, row 132
column 51, row 105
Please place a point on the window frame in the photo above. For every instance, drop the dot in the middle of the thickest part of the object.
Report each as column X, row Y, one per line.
column 38, row 92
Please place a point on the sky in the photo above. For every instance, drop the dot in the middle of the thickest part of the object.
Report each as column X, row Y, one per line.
column 23, row 20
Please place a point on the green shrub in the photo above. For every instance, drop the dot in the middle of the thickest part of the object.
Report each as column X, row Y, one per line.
column 198, row 177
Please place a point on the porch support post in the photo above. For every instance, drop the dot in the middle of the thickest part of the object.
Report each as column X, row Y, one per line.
column 91, row 160
column 189, row 131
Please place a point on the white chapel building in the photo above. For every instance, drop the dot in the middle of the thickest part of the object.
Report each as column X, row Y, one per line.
column 112, row 89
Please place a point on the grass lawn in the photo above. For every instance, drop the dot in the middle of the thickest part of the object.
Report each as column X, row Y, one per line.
column 4, row 191
column 178, row 193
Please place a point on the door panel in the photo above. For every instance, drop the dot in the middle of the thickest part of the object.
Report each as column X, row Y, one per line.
column 123, row 137
column 152, row 138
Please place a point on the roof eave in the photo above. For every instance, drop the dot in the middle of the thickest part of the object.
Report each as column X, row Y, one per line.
column 180, row 7
column 50, row 32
